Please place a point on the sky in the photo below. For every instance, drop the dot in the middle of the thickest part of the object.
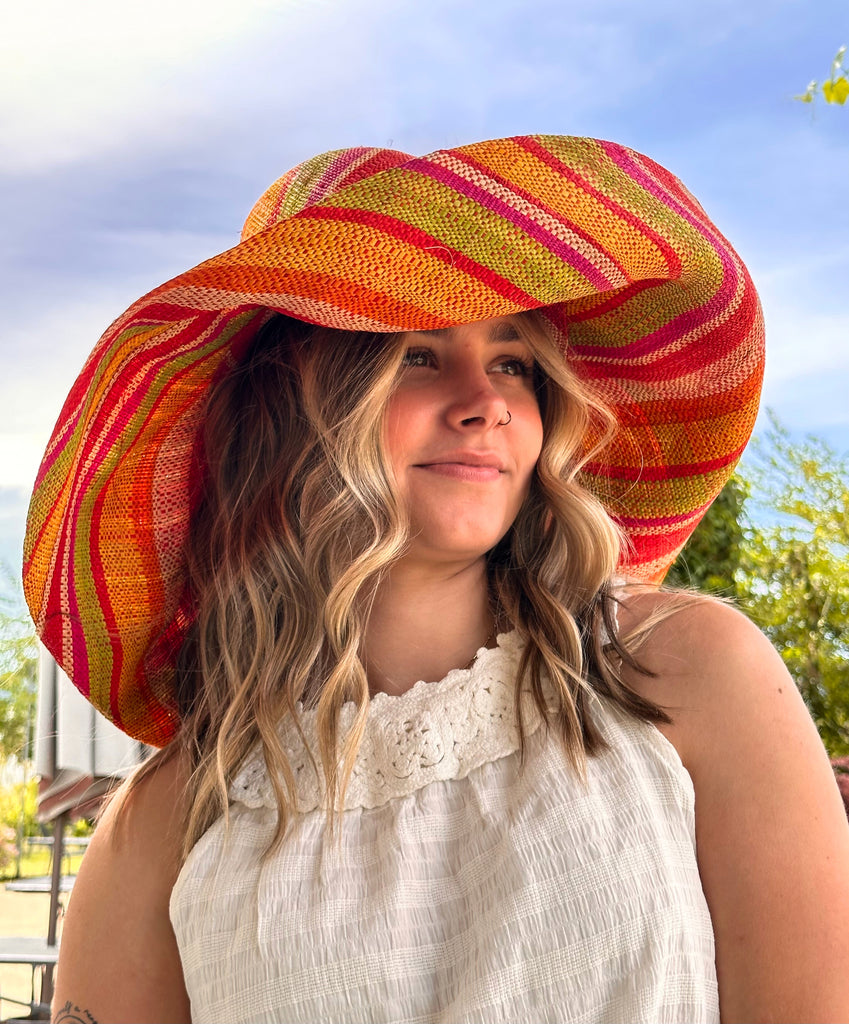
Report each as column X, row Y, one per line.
column 136, row 137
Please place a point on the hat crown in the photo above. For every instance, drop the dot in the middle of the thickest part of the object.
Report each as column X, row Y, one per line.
column 315, row 179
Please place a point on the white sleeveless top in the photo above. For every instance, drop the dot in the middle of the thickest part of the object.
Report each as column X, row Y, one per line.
column 465, row 887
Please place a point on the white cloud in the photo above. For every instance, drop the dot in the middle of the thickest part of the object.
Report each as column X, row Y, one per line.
column 77, row 79
column 803, row 342
column 20, row 456
column 99, row 78
column 804, row 308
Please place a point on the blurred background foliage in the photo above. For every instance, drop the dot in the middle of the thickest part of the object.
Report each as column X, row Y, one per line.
column 835, row 89
column 776, row 542
column 18, row 670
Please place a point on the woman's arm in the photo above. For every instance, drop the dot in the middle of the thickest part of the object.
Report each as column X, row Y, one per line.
column 118, row 960
column 772, row 835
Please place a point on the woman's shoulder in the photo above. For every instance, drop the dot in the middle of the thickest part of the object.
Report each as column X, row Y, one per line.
column 671, row 619
column 152, row 798
column 117, row 925
column 701, row 656
column 140, row 832
column 772, row 837
column 722, row 683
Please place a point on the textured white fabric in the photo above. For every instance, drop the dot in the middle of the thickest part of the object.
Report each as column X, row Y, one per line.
column 465, row 887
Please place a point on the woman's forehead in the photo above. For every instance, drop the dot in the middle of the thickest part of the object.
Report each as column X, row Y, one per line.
column 503, row 328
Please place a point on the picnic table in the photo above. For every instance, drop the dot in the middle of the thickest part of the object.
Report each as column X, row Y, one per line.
column 70, row 845
column 40, row 883
column 39, row 955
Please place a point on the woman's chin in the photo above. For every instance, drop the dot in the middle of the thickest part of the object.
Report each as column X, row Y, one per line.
column 452, row 548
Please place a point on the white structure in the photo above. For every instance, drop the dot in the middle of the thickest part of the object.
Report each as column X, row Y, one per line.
column 79, row 754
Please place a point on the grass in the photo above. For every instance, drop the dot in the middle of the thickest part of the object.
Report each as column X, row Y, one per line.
column 37, row 862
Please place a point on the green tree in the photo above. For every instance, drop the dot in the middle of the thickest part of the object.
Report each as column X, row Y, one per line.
column 18, row 669
column 710, row 560
column 835, row 89
column 19, row 805
column 792, row 579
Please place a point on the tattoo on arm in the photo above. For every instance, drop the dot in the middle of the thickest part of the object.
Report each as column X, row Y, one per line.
column 70, row 1014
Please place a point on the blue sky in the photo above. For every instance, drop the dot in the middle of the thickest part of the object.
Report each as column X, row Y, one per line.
column 137, row 136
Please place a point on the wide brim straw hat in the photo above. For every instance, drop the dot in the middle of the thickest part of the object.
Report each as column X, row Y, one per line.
column 652, row 306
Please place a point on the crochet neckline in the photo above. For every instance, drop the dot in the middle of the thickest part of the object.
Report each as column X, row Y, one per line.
column 434, row 731
column 382, row 703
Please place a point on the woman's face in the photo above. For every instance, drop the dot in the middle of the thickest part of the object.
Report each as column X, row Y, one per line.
column 462, row 469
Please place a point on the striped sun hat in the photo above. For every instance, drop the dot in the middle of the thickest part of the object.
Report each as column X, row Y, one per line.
column 655, row 310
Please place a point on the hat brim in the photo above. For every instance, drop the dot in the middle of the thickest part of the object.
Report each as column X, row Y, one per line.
column 663, row 322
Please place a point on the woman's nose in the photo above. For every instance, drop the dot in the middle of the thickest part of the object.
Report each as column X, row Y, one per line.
column 475, row 401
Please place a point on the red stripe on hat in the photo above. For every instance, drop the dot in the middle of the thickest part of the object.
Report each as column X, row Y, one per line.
column 540, row 205
column 673, row 261
column 436, row 247
column 565, row 252
column 629, row 362
column 651, row 474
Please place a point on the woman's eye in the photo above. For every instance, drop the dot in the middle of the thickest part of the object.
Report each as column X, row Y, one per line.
column 516, row 367
column 417, row 357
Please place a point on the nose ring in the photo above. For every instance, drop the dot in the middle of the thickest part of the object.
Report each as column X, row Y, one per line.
column 508, row 420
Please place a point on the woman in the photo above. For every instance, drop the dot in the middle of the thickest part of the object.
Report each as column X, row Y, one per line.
column 352, row 521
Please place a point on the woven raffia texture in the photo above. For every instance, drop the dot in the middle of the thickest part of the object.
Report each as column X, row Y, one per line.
column 661, row 316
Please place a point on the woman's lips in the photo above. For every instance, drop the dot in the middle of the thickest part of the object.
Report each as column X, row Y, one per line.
column 463, row 471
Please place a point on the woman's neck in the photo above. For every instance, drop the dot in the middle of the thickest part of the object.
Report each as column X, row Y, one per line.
column 424, row 622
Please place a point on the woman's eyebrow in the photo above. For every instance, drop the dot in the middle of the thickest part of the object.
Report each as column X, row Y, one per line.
column 504, row 332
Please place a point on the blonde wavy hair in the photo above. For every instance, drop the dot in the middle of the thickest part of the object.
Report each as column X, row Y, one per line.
column 300, row 521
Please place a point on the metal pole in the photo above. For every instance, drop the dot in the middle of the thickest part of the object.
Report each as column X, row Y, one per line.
column 55, row 886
